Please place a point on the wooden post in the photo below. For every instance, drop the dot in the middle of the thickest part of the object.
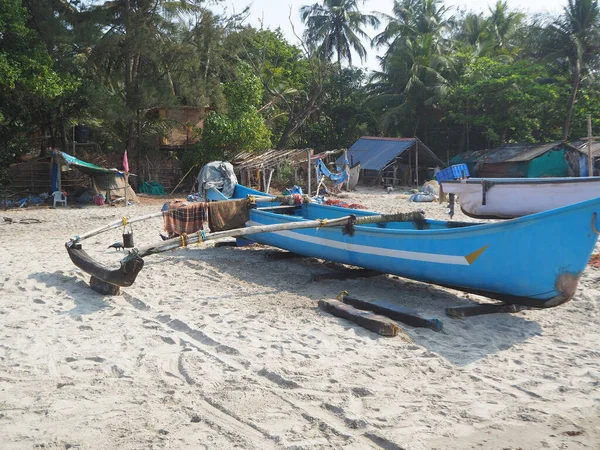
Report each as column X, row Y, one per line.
column 269, row 180
column 309, row 171
column 126, row 186
column 417, row 163
column 410, row 177
column 59, row 176
column 590, row 159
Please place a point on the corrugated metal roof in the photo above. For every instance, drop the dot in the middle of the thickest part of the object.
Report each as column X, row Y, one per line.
column 582, row 147
column 468, row 156
column 520, row 152
column 375, row 153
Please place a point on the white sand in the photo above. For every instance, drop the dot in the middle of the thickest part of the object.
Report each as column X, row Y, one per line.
column 217, row 348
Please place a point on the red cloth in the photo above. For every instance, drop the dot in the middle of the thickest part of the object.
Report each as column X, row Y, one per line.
column 125, row 162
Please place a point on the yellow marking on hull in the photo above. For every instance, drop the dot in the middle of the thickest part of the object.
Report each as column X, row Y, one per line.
column 471, row 257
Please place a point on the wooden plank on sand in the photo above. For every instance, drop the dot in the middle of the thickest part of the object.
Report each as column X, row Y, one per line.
column 373, row 322
column 280, row 256
column 395, row 312
column 102, row 287
column 347, row 274
column 482, row 308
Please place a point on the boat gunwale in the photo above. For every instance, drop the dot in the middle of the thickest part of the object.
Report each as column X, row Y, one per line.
column 549, row 180
column 476, row 227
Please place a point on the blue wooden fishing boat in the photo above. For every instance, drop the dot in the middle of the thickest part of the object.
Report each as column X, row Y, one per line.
column 535, row 260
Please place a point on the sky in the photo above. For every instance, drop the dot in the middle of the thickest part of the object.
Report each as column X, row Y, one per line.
column 276, row 13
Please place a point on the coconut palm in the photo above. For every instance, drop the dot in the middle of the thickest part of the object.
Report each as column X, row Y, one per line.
column 416, row 67
column 504, row 24
column 337, row 26
column 412, row 18
column 572, row 42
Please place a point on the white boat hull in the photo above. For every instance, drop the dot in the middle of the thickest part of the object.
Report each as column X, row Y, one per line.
column 506, row 198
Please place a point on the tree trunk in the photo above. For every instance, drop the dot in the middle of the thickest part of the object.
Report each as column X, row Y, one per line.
column 64, row 137
column 574, row 88
column 296, row 121
column 131, row 69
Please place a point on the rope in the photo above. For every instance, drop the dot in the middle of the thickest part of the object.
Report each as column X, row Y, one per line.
column 396, row 217
column 125, row 221
column 594, row 229
column 184, row 240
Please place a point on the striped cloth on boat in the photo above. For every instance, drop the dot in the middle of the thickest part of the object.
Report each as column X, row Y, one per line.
column 186, row 218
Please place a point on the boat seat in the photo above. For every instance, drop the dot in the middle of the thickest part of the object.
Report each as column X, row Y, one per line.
column 59, row 197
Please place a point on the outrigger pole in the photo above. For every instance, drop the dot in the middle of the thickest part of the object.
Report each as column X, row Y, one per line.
column 131, row 265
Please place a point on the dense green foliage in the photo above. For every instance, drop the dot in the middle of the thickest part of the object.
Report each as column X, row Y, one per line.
column 241, row 128
column 455, row 79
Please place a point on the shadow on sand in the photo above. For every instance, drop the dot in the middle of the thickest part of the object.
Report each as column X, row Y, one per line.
column 462, row 342
column 86, row 300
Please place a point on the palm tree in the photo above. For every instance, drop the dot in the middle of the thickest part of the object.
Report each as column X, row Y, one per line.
column 337, row 26
column 573, row 42
column 412, row 18
column 474, row 30
column 503, row 24
column 416, row 67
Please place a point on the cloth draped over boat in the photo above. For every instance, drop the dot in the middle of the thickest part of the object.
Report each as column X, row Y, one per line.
column 184, row 218
column 323, row 171
column 218, row 175
column 188, row 218
column 227, row 215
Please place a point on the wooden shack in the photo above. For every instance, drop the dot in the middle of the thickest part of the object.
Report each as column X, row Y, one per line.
column 258, row 170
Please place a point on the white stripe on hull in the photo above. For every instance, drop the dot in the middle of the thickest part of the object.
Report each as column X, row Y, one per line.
column 375, row 251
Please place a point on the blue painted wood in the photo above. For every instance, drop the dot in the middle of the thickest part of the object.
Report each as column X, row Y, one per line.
column 534, row 260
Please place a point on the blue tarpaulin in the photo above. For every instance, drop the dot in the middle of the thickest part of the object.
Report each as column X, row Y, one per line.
column 323, row 171
column 376, row 153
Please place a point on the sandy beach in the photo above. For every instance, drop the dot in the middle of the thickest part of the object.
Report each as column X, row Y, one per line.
column 217, row 348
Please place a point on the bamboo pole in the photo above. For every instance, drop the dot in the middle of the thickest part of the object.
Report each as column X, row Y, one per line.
column 180, row 241
column 417, row 163
column 181, row 181
column 269, row 180
column 589, row 143
column 309, row 171
column 126, row 188
column 115, row 224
